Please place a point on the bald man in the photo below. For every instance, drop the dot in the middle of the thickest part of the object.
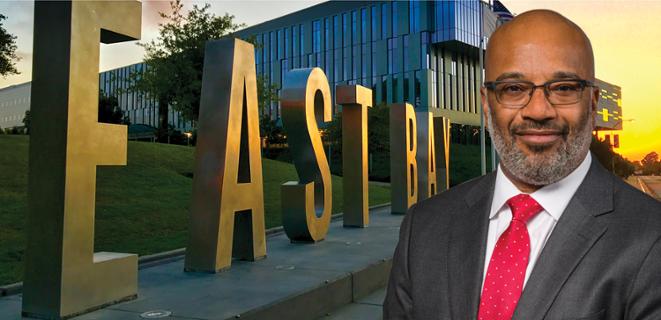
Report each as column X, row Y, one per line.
column 551, row 234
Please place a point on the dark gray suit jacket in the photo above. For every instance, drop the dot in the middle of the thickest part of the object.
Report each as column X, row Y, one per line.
column 602, row 260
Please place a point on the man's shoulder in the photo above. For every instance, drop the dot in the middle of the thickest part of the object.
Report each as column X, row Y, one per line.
column 636, row 204
column 456, row 199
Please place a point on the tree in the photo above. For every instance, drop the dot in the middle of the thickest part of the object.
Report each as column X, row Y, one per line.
column 8, row 48
column 27, row 121
column 110, row 112
column 651, row 164
column 267, row 94
column 612, row 161
column 174, row 60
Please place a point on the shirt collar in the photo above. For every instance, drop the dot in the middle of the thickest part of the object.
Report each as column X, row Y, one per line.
column 554, row 197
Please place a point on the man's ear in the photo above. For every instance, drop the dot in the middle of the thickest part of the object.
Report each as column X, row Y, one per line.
column 485, row 104
column 595, row 99
column 594, row 102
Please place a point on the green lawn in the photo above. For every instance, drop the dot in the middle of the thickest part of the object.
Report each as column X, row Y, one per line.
column 465, row 162
column 141, row 208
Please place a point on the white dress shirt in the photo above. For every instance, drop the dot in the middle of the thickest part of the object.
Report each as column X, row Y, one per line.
column 554, row 198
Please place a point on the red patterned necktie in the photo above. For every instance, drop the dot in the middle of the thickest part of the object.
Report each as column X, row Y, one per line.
column 507, row 268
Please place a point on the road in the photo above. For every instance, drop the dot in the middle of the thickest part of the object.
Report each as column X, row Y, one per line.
column 650, row 185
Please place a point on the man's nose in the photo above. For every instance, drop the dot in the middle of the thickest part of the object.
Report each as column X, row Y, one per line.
column 539, row 108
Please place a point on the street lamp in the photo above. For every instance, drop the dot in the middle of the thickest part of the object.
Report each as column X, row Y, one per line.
column 188, row 136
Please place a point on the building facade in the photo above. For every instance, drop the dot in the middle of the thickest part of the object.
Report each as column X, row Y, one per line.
column 421, row 52
column 139, row 107
column 425, row 53
column 609, row 119
column 14, row 101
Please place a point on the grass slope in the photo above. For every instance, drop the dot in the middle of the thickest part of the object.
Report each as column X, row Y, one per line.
column 140, row 208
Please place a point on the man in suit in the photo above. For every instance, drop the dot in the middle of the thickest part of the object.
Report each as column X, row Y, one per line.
column 551, row 234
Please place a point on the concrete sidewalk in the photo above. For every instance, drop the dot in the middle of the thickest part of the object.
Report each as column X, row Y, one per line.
column 368, row 308
column 296, row 281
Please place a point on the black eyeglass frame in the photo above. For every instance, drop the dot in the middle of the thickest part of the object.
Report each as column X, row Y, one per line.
column 491, row 85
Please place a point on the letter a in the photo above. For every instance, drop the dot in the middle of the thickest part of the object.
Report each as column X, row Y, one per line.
column 227, row 211
column 63, row 275
column 403, row 165
column 426, row 156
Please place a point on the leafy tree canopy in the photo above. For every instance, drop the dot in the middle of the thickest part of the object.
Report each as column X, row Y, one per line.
column 175, row 58
column 8, row 47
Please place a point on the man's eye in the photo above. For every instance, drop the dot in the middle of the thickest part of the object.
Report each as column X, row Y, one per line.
column 512, row 88
column 565, row 87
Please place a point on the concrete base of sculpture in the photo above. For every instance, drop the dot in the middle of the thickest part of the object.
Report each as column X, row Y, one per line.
column 295, row 281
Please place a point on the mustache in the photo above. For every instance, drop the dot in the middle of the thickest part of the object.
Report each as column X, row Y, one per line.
column 532, row 125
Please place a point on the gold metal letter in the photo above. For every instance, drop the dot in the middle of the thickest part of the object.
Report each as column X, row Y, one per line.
column 306, row 204
column 227, row 212
column 354, row 100
column 403, row 165
column 63, row 275
column 442, row 147
column 426, row 156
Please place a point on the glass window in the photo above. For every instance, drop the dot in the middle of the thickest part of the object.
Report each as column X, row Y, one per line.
column 280, row 46
column 354, row 27
column 345, row 30
column 425, row 60
column 302, row 33
column 346, row 64
column 375, row 24
column 338, row 65
column 365, row 52
column 337, row 36
column 363, row 25
column 405, row 52
column 295, row 44
column 327, row 35
column 395, row 97
column 273, row 46
column 417, row 89
column 384, row 20
column 374, row 60
column 316, row 36
column 406, row 87
column 384, row 89
column 395, row 21
column 287, row 44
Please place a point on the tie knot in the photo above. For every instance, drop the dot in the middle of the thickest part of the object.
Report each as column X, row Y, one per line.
column 523, row 207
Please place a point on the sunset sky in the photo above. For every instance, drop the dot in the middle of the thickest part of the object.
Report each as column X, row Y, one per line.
column 625, row 35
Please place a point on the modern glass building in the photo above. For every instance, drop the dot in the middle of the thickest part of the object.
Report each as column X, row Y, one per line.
column 421, row 52
column 139, row 107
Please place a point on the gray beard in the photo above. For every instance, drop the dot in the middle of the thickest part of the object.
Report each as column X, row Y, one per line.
column 543, row 170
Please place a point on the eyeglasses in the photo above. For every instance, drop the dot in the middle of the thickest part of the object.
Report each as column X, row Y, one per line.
column 517, row 94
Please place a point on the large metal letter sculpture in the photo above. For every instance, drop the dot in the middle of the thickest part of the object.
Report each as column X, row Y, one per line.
column 442, row 147
column 354, row 100
column 306, row 204
column 63, row 275
column 403, row 165
column 227, row 212
column 426, row 156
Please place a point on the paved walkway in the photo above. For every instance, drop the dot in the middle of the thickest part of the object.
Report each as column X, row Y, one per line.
column 296, row 281
column 368, row 308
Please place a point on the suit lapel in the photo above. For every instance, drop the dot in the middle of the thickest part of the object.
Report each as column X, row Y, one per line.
column 466, row 249
column 572, row 238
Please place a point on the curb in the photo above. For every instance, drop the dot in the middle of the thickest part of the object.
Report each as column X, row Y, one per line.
column 169, row 256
